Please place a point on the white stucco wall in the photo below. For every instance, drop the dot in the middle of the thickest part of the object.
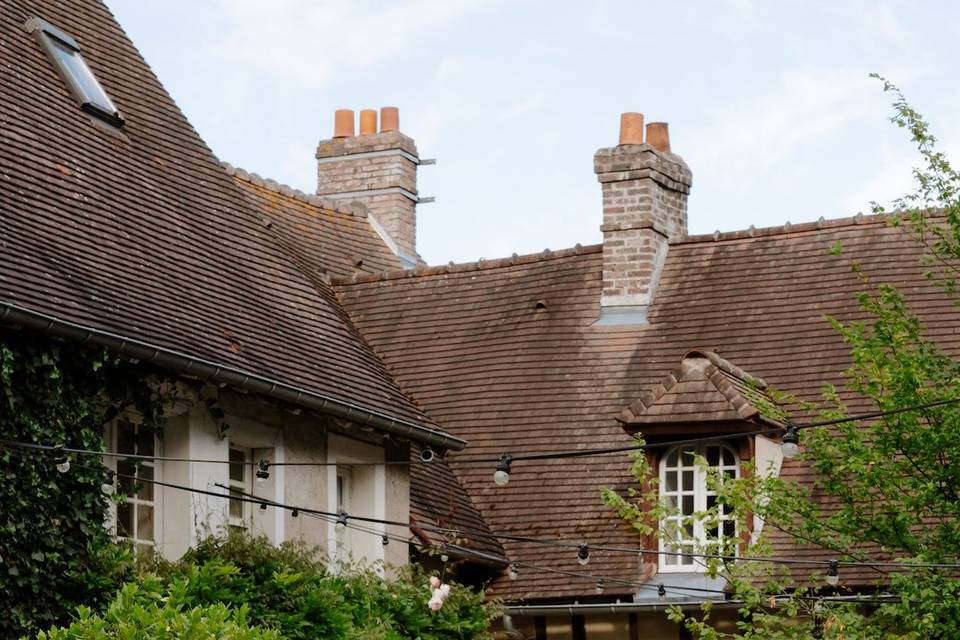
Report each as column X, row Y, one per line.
column 278, row 435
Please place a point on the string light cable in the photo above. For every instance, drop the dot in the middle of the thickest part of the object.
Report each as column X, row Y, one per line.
column 503, row 462
column 331, row 518
column 583, row 549
column 662, row 589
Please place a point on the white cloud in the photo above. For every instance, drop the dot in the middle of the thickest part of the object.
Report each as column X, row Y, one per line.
column 763, row 130
column 310, row 42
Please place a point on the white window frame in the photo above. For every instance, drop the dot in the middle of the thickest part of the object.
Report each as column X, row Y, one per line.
column 368, row 497
column 135, row 502
column 244, row 487
column 697, row 489
column 344, row 491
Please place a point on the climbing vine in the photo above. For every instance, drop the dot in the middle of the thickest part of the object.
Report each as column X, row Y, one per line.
column 55, row 552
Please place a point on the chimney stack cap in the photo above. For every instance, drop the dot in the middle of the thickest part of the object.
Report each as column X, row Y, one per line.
column 658, row 136
column 343, row 123
column 631, row 128
column 389, row 119
column 368, row 121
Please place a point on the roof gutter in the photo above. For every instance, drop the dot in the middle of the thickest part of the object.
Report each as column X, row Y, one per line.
column 184, row 364
column 635, row 607
column 598, row 608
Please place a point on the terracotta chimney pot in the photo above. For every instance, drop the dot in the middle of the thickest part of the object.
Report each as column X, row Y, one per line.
column 368, row 121
column 631, row 128
column 658, row 136
column 389, row 119
column 343, row 123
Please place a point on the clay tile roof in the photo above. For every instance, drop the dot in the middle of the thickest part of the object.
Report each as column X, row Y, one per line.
column 141, row 234
column 704, row 388
column 439, row 500
column 491, row 365
column 323, row 238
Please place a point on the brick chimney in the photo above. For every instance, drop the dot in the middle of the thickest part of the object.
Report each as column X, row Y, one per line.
column 645, row 189
column 375, row 169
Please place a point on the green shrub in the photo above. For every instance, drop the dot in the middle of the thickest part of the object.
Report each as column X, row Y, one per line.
column 289, row 589
column 137, row 614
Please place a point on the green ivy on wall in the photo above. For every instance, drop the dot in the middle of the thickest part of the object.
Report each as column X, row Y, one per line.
column 55, row 552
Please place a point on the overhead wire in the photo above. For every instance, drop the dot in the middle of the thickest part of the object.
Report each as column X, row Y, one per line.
column 556, row 542
column 561, row 543
column 549, row 455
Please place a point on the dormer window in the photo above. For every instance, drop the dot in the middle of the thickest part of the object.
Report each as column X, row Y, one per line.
column 705, row 396
column 64, row 52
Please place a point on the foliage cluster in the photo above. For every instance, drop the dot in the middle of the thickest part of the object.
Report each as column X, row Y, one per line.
column 244, row 585
column 55, row 552
column 893, row 483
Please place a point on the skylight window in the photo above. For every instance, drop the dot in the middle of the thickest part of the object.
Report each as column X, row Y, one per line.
column 65, row 54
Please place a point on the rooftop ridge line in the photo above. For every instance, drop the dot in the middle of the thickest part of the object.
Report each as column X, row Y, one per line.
column 463, row 267
column 296, row 194
column 789, row 228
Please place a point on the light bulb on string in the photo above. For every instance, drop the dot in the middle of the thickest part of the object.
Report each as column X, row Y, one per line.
column 62, row 460
column 583, row 554
column 513, row 572
column 263, row 506
column 833, row 573
column 790, row 445
column 600, row 586
column 385, row 540
column 502, row 475
column 263, row 473
column 107, row 486
column 426, row 454
column 295, row 513
column 341, row 525
column 661, row 591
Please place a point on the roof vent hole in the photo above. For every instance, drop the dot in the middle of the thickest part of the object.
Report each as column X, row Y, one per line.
column 540, row 306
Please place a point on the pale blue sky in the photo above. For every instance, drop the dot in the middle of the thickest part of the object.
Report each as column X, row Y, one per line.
column 768, row 102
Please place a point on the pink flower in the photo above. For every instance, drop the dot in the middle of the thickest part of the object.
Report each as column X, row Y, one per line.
column 434, row 582
column 445, row 590
column 435, row 603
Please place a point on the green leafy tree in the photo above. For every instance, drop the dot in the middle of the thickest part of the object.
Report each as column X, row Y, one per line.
column 894, row 481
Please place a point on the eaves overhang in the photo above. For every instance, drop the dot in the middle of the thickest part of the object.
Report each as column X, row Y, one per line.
column 182, row 363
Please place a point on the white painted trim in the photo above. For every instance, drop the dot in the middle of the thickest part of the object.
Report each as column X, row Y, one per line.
column 375, row 224
column 380, row 506
column 331, row 502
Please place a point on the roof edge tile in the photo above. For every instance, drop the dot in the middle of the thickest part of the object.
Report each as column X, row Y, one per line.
column 464, row 267
column 286, row 190
column 789, row 228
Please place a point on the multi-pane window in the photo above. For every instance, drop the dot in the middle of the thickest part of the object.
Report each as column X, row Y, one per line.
column 684, row 491
column 240, row 485
column 136, row 511
column 64, row 52
column 344, row 489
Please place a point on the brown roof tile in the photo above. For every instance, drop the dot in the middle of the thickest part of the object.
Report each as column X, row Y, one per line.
column 704, row 388
column 321, row 237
